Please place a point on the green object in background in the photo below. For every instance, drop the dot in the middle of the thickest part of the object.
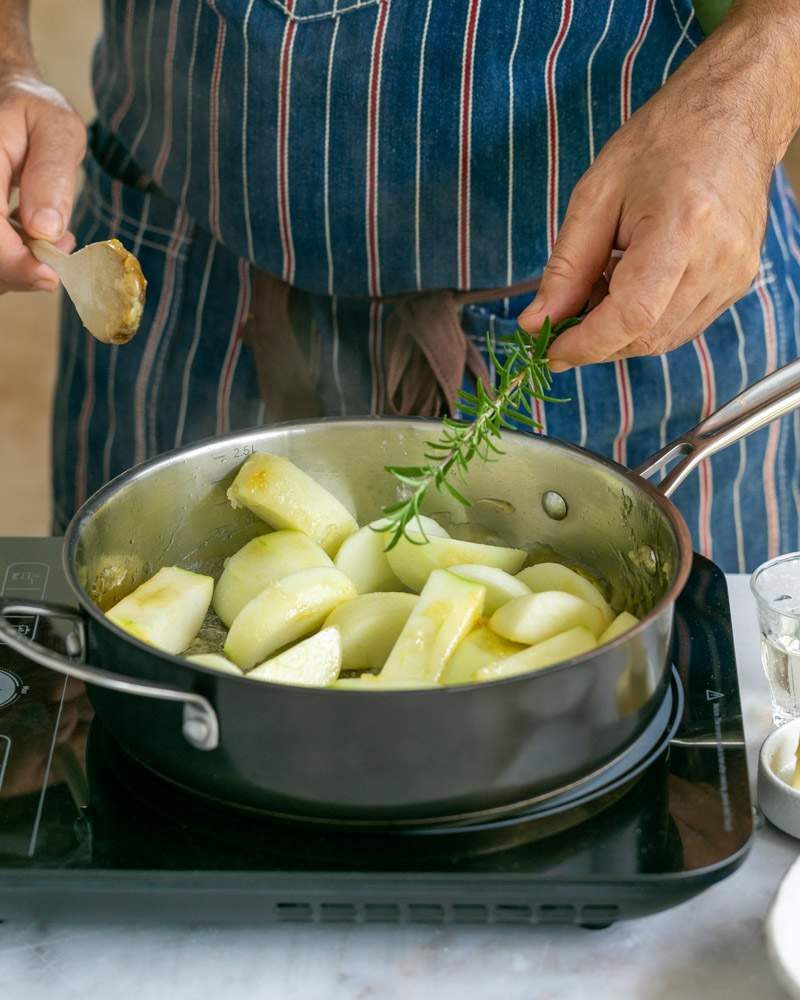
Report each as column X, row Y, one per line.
column 711, row 13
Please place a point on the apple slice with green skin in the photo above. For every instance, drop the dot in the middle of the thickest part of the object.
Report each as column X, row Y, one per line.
column 281, row 494
column 413, row 559
column 501, row 587
column 565, row 646
column 314, row 662
column 289, row 610
column 621, row 624
column 259, row 564
column 363, row 555
column 216, row 662
column 478, row 649
column 554, row 576
column 446, row 611
column 369, row 626
column 537, row 617
column 167, row 610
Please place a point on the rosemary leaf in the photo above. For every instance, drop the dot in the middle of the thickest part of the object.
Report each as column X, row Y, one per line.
column 524, row 373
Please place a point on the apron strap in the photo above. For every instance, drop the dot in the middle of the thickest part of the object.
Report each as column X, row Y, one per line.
column 427, row 353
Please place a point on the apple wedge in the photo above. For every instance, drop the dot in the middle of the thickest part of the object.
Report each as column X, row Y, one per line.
column 622, row 623
column 289, row 610
column 446, row 611
column 554, row 576
column 369, row 626
column 501, row 587
column 537, row 617
column 363, row 555
column 413, row 559
column 259, row 564
column 167, row 610
column 314, row 662
column 216, row 662
column 478, row 649
column 574, row 642
column 281, row 494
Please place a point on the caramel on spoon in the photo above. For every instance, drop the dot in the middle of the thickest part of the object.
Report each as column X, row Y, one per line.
column 104, row 281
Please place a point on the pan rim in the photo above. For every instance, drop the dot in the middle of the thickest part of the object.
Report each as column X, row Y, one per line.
column 92, row 505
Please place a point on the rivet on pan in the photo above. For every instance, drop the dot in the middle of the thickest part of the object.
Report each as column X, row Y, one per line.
column 555, row 506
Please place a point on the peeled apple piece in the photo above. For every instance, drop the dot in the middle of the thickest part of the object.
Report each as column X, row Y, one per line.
column 167, row 610
column 414, row 561
column 446, row 611
column 259, row 564
column 275, row 490
column 314, row 662
column 622, row 623
column 554, row 576
column 501, row 587
column 363, row 555
column 369, row 626
column 478, row 649
column 216, row 662
column 566, row 646
column 533, row 619
column 285, row 612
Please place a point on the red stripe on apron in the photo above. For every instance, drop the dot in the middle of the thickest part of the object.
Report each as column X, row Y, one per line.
column 213, row 126
column 621, row 373
column 122, row 110
column 373, row 126
column 465, row 145
column 284, row 97
column 552, row 152
column 169, row 58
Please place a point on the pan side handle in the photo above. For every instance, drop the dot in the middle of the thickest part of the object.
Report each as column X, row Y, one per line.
column 200, row 725
column 768, row 399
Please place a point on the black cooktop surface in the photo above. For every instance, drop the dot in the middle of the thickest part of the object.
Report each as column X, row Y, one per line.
column 85, row 832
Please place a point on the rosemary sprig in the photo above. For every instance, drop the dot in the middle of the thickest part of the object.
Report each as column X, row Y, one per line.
column 524, row 376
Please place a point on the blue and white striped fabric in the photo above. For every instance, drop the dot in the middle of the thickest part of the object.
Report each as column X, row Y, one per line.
column 369, row 148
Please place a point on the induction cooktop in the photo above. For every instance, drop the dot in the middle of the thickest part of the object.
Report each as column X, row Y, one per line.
column 86, row 833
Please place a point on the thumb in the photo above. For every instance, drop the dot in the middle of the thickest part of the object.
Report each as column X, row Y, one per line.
column 56, row 145
column 576, row 263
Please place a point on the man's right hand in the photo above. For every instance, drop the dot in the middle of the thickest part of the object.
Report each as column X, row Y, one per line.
column 42, row 143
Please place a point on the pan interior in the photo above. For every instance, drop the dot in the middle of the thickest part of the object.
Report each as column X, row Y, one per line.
column 174, row 511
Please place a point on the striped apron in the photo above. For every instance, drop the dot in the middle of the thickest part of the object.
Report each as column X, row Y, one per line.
column 366, row 148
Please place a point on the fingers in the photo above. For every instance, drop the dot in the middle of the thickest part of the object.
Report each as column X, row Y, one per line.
column 690, row 326
column 640, row 291
column 579, row 257
column 56, row 145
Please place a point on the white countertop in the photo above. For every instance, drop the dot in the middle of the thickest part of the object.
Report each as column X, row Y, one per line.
column 711, row 947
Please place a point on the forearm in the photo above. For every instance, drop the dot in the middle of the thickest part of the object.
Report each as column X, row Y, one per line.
column 752, row 71
column 16, row 51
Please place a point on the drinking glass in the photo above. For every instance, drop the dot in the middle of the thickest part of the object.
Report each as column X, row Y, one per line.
column 776, row 587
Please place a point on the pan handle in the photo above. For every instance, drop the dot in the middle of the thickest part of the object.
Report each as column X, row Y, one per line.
column 767, row 400
column 200, row 724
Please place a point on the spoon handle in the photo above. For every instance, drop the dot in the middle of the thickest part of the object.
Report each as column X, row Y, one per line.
column 43, row 251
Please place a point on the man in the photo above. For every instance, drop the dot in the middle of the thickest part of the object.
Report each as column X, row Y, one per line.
column 308, row 182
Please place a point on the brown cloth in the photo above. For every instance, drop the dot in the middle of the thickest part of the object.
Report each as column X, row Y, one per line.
column 427, row 354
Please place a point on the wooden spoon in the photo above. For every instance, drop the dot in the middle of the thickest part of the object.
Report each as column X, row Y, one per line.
column 104, row 281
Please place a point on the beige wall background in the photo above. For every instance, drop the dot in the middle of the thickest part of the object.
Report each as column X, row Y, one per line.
column 63, row 35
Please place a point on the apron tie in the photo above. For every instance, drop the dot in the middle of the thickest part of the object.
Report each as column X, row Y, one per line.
column 427, row 353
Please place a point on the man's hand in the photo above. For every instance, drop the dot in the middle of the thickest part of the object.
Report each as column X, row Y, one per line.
column 42, row 142
column 682, row 189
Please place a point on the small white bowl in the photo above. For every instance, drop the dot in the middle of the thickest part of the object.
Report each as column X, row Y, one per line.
column 779, row 802
column 781, row 932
